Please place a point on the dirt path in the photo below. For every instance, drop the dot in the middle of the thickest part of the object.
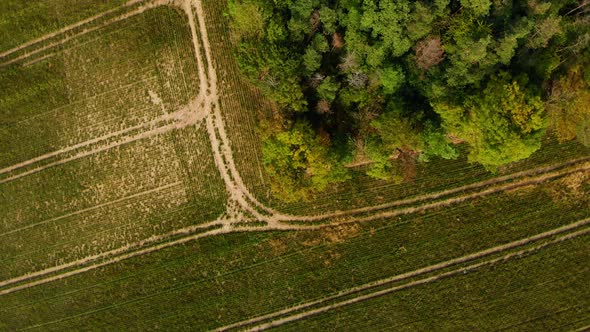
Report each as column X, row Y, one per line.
column 208, row 91
column 432, row 196
column 415, row 273
column 96, row 207
column 217, row 133
column 240, row 194
column 140, row 10
column 282, row 226
column 179, row 119
column 585, row 167
column 67, row 28
column 125, row 252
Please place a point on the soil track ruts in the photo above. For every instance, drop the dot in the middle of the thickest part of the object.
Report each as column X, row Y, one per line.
column 141, row 9
column 227, row 227
column 182, row 119
column 92, row 208
column 125, row 252
column 543, row 177
column 240, row 194
column 412, row 274
column 66, row 29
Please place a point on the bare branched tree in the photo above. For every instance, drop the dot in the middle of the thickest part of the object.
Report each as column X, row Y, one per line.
column 429, row 52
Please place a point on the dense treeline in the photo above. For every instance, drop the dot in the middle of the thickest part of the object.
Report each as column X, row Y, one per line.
column 390, row 83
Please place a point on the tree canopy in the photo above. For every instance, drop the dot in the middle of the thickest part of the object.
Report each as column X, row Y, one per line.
column 395, row 82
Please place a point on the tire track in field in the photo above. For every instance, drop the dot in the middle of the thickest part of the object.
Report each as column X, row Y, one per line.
column 412, row 274
column 67, row 28
column 141, row 9
column 543, row 177
column 585, row 162
column 125, row 252
column 142, row 247
column 217, row 133
column 175, row 116
column 180, row 119
column 96, row 207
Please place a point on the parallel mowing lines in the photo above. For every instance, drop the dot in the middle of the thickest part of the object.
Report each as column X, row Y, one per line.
column 125, row 252
column 96, row 207
column 67, row 28
column 224, row 230
column 86, row 31
column 440, row 194
column 412, row 274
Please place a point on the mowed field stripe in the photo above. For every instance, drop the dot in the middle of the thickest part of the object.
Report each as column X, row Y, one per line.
column 412, row 274
column 123, row 252
column 96, row 207
column 275, row 226
column 140, row 10
column 67, row 28
column 531, row 172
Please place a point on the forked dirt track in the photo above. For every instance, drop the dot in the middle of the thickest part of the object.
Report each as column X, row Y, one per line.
column 226, row 226
column 238, row 192
column 176, row 120
column 408, row 275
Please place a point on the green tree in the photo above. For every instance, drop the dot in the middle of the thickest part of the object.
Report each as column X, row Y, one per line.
column 501, row 124
column 299, row 165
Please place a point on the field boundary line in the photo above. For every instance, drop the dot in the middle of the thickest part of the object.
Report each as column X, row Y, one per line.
column 141, row 9
column 99, row 206
column 67, row 28
column 125, row 252
column 415, row 273
column 182, row 117
column 436, row 195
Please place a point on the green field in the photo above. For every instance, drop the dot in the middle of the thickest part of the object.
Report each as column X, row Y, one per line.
column 128, row 203
column 220, row 280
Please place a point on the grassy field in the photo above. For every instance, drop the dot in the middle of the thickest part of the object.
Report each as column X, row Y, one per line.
column 542, row 291
column 111, row 161
column 220, row 280
column 114, row 170
column 22, row 21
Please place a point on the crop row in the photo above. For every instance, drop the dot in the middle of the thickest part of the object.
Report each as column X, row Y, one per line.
column 23, row 22
column 219, row 280
column 112, row 82
column 540, row 291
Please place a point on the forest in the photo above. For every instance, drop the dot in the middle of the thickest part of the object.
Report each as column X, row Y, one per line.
column 387, row 84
